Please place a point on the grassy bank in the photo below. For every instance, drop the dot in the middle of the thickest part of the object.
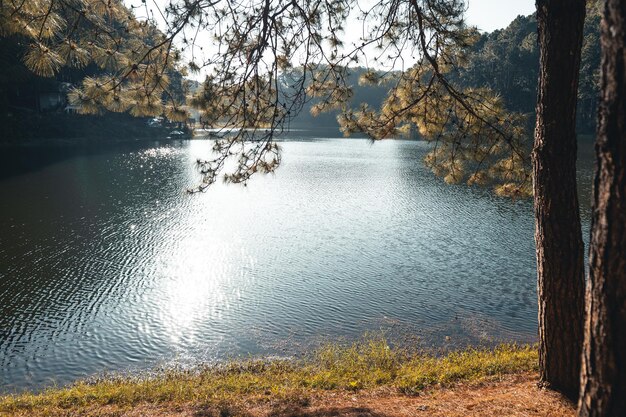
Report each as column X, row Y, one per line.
column 365, row 365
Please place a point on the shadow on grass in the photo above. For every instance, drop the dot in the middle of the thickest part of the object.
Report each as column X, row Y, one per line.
column 330, row 412
column 295, row 408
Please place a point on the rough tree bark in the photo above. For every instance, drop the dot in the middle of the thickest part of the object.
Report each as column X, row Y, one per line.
column 603, row 377
column 558, row 236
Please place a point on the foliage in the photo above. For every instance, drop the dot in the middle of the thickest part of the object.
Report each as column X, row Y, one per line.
column 367, row 364
column 475, row 139
column 135, row 60
column 273, row 57
column 268, row 60
column 588, row 85
column 507, row 62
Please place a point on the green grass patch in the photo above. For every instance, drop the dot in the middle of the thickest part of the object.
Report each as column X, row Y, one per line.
column 367, row 364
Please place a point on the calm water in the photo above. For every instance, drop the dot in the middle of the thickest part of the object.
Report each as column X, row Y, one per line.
column 107, row 265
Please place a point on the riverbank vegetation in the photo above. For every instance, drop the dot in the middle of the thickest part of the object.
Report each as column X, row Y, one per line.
column 359, row 367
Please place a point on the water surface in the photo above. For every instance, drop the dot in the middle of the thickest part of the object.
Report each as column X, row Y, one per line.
column 107, row 265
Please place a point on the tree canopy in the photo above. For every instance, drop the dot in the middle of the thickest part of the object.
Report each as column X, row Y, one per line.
column 273, row 57
column 269, row 60
column 134, row 60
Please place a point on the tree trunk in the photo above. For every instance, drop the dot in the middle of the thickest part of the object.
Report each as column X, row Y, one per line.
column 558, row 236
column 603, row 389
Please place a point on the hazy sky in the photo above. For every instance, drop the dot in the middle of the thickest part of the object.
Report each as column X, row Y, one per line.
column 489, row 15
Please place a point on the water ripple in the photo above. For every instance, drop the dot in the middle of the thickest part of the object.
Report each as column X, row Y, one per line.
column 116, row 267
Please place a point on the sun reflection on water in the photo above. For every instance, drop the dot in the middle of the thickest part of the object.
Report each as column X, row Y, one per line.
column 203, row 271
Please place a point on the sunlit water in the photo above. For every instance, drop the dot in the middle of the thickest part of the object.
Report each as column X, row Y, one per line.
column 107, row 265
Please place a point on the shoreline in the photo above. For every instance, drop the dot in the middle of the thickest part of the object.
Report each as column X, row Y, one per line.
column 358, row 369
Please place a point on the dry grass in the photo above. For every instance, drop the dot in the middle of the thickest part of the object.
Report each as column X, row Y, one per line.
column 508, row 396
column 364, row 379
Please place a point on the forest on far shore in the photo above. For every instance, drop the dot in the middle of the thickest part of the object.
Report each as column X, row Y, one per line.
column 506, row 61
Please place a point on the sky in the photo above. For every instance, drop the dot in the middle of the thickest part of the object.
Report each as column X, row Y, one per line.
column 490, row 15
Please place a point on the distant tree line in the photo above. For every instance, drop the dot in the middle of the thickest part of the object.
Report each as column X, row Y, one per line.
column 505, row 61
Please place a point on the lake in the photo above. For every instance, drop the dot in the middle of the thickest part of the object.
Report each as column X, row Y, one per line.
column 106, row 264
